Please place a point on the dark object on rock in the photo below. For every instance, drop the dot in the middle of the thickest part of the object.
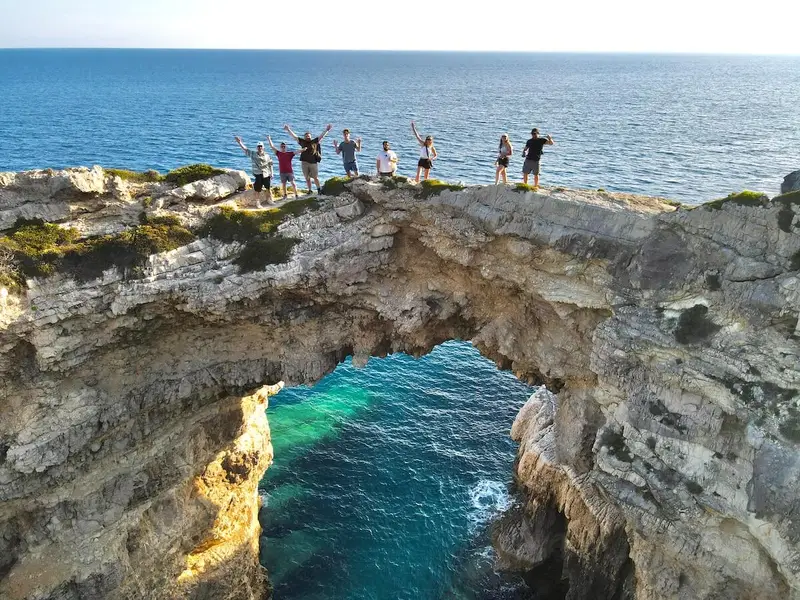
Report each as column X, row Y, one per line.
column 791, row 182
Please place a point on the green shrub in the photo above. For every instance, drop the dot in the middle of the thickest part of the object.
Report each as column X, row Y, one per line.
column 231, row 225
column 434, row 187
column 525, row 187
column 335, row 186
column 191, row 173
column 743, row 198
column 135, row 176
column 42, row 249
column 257, row 230
column 264, row 250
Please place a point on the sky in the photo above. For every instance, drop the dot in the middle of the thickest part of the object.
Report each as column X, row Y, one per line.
column 683, row 26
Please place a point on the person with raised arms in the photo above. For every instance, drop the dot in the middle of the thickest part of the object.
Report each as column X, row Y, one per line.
column 348, row 149
column 427, row 153
column 285, row 170
column 311, row 156
column 262, row 169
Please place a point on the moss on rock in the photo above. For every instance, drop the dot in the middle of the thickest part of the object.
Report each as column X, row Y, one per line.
column 434, row 187
column 257, row 230
column 743, row 198
column 135, row 176
column 191, row 173
column 42, row 249
column 335, row 186
column 525, row 187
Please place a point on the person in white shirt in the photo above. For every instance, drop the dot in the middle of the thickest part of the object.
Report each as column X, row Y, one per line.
column 262, row 170
column 387, row 161
column 427, row 153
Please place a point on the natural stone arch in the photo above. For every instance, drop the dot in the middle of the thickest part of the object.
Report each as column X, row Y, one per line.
column 114, row 381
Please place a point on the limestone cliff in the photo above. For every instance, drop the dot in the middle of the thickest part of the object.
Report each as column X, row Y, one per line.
column 666, row 465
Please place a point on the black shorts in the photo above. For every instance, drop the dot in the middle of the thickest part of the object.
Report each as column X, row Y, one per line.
column 262, row 182
column 502, row 161
column 425, row 163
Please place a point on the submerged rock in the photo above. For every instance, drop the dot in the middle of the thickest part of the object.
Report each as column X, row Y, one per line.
column 664, row 467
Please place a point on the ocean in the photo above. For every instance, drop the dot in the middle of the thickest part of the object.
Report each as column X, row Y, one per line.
column 692, row 128
column 386, row 479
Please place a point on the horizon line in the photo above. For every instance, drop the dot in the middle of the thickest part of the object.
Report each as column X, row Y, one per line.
column 414, row 50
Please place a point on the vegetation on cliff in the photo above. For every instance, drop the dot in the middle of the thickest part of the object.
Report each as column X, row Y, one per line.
column 743, row 198
column 335, row 186
column 40, row 249
column 257, row 230
column 178, row 177
column 434, row 187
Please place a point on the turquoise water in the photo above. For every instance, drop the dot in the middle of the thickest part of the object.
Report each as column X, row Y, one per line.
column 386, row 478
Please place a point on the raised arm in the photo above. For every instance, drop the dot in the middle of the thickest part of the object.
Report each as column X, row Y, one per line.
column 239, row 141
column 414, row 129
column 271, row 145
column 358, row 144
column 328, row 127
column 550, row 140
column 291, row 133
column 336, row 147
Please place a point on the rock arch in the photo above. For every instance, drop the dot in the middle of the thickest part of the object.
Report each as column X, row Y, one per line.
column 131, row 441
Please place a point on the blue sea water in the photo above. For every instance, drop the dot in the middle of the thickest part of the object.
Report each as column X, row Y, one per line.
column 386, row 478
column 691, row 128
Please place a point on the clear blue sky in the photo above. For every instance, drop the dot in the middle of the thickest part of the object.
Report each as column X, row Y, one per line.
column 731, row 26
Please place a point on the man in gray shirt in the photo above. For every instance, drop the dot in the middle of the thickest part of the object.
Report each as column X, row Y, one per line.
column 262, row 169
column 348, row 149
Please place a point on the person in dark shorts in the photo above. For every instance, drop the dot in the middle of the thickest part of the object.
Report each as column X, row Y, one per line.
column 311, row 155
column 427, row 153
column 348, row 149
column 533, row 154
column 285, row 170
column 386, row 163
column 262, row 169
column 504, row 151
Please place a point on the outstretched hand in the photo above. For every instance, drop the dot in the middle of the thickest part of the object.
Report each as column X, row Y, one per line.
column 328, row 127
column 237, row 138
column 286, row 128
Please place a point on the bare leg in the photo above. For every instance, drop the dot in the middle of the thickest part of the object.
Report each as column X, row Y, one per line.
column 294, row 187
column 418, row 172
column 505, row 177
column 283, row 189
column 316, row 180
column 535, row 181
column 497, row 174
column 427, row 172
column 524, row 178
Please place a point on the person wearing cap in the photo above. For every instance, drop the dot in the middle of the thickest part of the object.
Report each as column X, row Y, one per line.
column 262, row 169
column 533, row 154
column 387, row 161
column 285, row 170
column 348, row 149
column 311, row 155
column 427, row 153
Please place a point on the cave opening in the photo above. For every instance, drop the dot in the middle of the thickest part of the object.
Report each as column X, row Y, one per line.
column 387, row 479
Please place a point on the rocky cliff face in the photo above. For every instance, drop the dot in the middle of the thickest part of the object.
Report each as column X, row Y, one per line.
column 665, row 466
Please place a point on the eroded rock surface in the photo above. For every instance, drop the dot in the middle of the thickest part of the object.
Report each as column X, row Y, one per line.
column 666, row 466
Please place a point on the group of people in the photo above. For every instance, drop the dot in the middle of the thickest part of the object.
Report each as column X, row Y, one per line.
column 386, row 163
